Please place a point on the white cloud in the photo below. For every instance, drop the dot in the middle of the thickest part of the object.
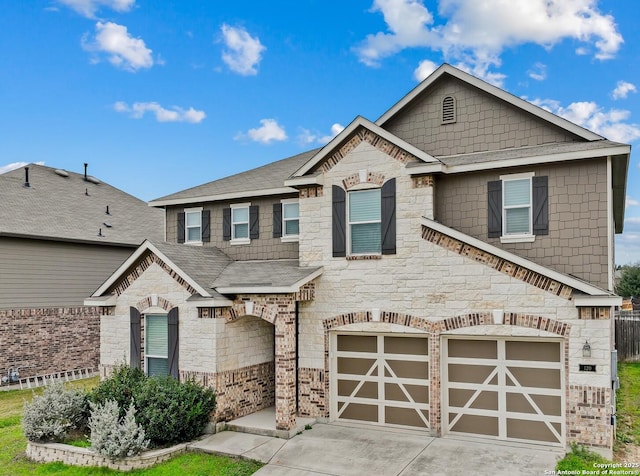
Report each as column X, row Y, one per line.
column 632, row 220
column 243, row 52
column 268, row 132
column 475, row 33
column 609, row 124
column 176, row 114
column 628, row 247
column 88, row 8
column 424, row 69
column 538, row 72
column 15, row 165
column 623, row 89
column 122, row 49
column 631, row 202
column 306, row 137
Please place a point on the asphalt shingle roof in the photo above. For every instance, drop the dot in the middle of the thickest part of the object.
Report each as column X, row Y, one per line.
column 268, row 176
column 267, row 273
column 72, row 209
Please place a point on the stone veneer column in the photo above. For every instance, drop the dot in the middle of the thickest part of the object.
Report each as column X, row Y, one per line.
column 286, row 367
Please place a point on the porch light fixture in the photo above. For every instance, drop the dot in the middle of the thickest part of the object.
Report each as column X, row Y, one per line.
column 586, row 349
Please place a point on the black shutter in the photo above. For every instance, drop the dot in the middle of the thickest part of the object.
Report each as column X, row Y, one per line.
column 339, row 201
column 494, row 211
column 135, row 337
column 206, row 226
column 540, row 205
column 388, row 212
column 181, row 227
column 172, row 324
column 226, row 224
column 277, row 220
column 254, row 222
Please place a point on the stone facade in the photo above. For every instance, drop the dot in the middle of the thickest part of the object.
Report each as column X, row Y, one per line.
column 49, row 340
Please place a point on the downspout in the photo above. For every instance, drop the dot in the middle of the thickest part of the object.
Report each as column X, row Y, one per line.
column 297, row 355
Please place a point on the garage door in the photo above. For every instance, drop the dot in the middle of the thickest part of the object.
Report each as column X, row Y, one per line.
column 502, row 388
column 381, row 379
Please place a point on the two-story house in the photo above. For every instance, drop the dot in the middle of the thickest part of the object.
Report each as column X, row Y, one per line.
column 61, row 235
column 446, row 268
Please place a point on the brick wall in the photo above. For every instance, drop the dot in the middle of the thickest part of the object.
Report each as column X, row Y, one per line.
column 48, row 340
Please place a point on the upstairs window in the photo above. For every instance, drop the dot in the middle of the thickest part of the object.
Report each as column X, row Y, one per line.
column 193, row 222
column 194, row 226
column 364, row 222
column 518, row 207
column 290, row 219
column 239, row 222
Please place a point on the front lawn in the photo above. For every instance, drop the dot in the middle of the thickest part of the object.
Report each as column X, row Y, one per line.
column 14, row 463
column 628, row 403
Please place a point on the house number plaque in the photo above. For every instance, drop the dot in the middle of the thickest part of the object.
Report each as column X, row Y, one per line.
column 587, row 368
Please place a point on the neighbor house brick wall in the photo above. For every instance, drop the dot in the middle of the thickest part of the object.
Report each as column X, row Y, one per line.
column 49, row 340
column 264, row 247
column 483, row 123
column 577, row 239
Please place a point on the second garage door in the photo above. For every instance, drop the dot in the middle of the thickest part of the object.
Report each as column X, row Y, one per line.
column 381, row 379
column 503, row 388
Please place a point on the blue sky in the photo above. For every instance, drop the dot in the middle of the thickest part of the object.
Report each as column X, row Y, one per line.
column 158, row 96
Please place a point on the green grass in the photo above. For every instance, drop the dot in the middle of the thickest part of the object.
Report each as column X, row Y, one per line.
column 579, row 459
column 628, row 405
column 13, row 461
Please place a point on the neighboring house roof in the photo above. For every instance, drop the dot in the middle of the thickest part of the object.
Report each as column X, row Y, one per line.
column 212, row 273
column 62, row 206
column 266, row 180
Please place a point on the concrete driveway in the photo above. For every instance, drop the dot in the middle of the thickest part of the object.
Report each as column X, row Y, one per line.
column 340, row 450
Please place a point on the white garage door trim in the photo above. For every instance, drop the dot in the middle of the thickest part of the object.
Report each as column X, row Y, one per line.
column 503, row 370
column 380, row 373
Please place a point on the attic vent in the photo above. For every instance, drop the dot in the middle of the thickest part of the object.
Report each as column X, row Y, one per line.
column 93, row 180
column 448, row 110
column 61, row 173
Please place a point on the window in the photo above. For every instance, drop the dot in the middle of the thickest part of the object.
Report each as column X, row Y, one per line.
column 240, row 222
column 193, row 226
column 156, row 344
column 290, row 219
column 518, row 207
column 364, row 222
column 516, row 201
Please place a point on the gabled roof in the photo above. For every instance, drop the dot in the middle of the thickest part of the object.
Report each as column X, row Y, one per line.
column 361, row 122
column 63, row 206
column 212, row 273
column 266, row 180
column 447, row 69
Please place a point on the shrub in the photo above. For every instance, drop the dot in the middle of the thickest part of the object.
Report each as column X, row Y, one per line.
column 52, row 415
column 172, row 411
column 121, row 386
column 116, row 437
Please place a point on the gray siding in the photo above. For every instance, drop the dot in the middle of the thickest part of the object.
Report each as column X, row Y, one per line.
column 577, row 239
column 265, row 247
column 483, row 123
column 39, row 273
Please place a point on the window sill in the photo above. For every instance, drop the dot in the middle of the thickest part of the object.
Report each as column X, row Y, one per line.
column 363, row 257
column 517, row 239
column 290, row 239
column 240, row 241
column 193, row 243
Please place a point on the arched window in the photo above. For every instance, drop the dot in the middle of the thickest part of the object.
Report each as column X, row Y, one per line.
column 448, row 110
